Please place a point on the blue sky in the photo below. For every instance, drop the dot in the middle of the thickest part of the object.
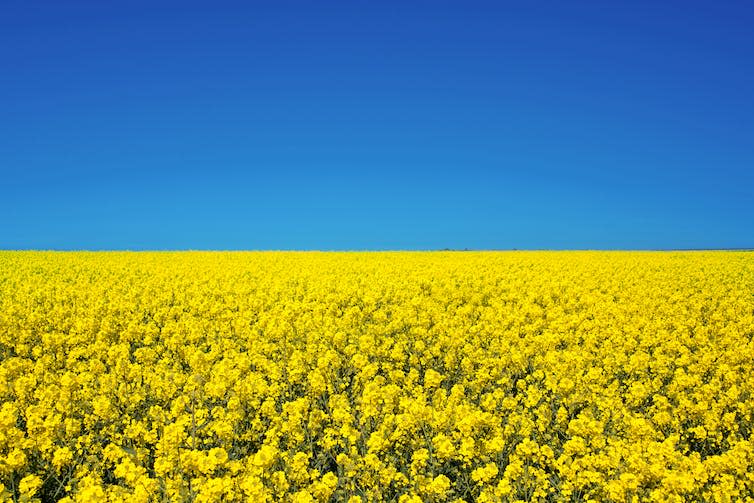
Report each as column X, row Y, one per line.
column 376, row 125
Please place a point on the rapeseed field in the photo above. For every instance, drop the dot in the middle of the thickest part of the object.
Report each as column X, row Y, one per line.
column 395, row 376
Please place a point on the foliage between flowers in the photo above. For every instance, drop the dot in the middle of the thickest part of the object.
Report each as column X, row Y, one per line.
column 474, row 376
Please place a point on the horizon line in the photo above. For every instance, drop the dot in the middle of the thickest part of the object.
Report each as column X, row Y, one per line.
column 367, row 250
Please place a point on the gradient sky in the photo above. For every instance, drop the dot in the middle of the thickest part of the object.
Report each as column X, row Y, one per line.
column 373, row 125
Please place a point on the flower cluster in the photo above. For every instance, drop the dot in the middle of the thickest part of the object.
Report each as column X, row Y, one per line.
column 436, row 376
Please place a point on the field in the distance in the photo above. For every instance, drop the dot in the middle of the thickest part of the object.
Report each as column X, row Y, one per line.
column 486, row 376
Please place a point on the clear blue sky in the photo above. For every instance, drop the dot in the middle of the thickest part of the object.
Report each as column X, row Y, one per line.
column 373, row 125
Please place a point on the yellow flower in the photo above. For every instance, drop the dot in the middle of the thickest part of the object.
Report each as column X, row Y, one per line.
column 484, row 474
column 443, row 446
column 61, row 457
column 28, row 487
column 439, row 486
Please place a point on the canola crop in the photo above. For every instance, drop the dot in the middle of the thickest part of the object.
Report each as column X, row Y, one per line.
column 396, row 376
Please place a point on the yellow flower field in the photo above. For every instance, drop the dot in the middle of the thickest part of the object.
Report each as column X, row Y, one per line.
column 396, row 376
